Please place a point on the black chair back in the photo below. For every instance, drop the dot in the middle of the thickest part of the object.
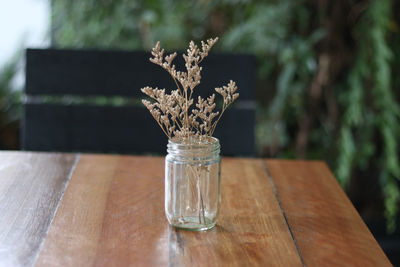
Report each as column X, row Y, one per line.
column 60, row 114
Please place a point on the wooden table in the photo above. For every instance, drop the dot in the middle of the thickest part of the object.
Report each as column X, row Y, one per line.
column 108, row 210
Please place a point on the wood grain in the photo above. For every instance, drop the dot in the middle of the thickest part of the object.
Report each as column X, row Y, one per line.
column 251, row 230
column 31, row 185
column 327, row 228
column 112, row 214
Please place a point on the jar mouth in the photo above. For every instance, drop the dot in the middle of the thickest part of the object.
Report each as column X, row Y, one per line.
column 194, row 146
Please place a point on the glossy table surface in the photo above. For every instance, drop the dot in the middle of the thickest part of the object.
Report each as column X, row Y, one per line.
column 108, row 210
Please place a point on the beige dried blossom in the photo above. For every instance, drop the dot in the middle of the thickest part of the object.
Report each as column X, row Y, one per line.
column 174, row 112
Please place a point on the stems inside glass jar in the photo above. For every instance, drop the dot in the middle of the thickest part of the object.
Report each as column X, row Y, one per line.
column 192, row 184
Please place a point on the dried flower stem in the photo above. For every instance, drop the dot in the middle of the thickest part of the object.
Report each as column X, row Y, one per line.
column 197, row 174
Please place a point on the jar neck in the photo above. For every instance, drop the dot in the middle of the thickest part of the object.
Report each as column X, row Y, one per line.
column 195, row 147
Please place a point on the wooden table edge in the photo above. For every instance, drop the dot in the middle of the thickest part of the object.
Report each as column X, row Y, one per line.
column 333, row 180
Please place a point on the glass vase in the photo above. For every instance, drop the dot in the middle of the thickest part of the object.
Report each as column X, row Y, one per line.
column 192, row 183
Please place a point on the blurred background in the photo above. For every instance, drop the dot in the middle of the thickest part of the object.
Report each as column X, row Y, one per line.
column 328, row 83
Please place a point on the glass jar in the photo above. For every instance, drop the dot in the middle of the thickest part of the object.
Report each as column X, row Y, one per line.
column 192, row 183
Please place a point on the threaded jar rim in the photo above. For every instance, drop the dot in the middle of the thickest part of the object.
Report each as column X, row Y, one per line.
column 194, row 147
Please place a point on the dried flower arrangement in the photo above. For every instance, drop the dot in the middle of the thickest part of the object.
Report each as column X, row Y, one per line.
column 173, row 111
column 184, row 123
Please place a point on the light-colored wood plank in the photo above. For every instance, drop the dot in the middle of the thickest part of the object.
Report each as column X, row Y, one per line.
column 251, row 230
column 113, row 214
column 326, row 226
column 31, row 185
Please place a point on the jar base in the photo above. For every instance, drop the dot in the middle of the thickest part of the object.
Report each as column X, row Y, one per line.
column 191, row 223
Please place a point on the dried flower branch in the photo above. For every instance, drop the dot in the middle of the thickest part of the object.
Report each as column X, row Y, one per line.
column 174, row 112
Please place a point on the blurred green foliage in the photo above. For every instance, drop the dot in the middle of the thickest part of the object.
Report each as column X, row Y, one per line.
column 327, row 83
column 10, row 103
column 370, row 128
